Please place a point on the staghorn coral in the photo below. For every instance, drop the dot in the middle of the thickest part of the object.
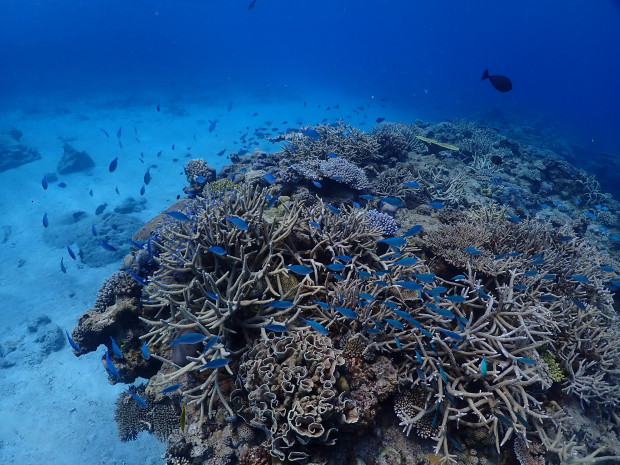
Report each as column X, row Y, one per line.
column 290, row 386
column 343, row 139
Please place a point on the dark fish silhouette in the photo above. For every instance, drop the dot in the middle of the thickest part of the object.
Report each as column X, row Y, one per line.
column 158, row 108
column 113, row 165
column 105, row 132
column 119, row 132
column 252, row 4
column 44, row 182
column 147, row 176
column 501, row 83
column 99, row 210
column 380, row 120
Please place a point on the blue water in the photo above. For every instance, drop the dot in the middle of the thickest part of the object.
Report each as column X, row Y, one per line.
column 401, row 60
column 425, row 57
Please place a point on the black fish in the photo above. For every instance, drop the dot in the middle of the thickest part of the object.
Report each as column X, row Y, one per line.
column 379, row 120
column 113, row 165
column 158, row 108
column 501, row 83
column 147, row 176
column 251, row 5
column 99, row 210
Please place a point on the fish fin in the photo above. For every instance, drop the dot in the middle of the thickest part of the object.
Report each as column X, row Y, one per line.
column 485, row 74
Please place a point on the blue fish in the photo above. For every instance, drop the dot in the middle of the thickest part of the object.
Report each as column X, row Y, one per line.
column 215, row 363
column 483, row 366
column 411, row 184
column 422, row 377
column 530, row 273
column 366, row 296
column 273, row 200
column 321, row 304
column 472, row 251
column 398, row 344
column 452, row 334
column 136, row 277
column 579, row 304
column 110, row 366
column 539, row 261
column 269, row 178
column 607, row 268
column 367, row 197
column 46, row 221
column 394, row 201
column 116, row 349
column 409, row 285
column 590, row 215
column 71, row 253
column 44, row 182
column 299, row 269
column 62, row 185
column 413, row 231
column 177, row 215
column 443, row 374
column 520, row 287
column 434, row 292
column 212, row 125
column 454, row 442
column 548, row 277
column 382, row 272
column 142, row 189
column 407, row 261
column 459, row 276
column 579, row 278
column 426, row 333
column 314, row 223
column 279, row 304
column 514, row 218
column 408, row 318
column 535, row 256
column 356, row 205
column 72, row 343
column 396, row 241
column 145, row 351
column 311, row 134
column 113, row 165
column 108, row 247
column 172, row 388
column 547, row 298
column 441, row 311
column 63, row 268
column 436, row 205
column 419, row 358
column 317, row 184
column 565, row 238
column 363, row 274
column 147, row 176
column 338, row 276
column 503, row 419
column 455, row 298
column 335, row 267
column 217, row 250
column 428, row 278
column 380, row 282
column 390, row 304
column 93, row 230
column 347, row 312
column 514, row 254
column 344, row 258
column 333, row 209
column 211, row 295
column 316, row 326
column 276, row 328
column 500, row 256
column 138, row 399
column 397, row 324
column 189, row 338
column 238, row 222
column 525, row 360
column 210, row 343
column 372, row 330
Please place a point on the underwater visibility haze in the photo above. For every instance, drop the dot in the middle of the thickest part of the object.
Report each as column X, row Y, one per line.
column 265, row 232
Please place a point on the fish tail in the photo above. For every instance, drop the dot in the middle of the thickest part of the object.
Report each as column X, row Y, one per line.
column 485, row 74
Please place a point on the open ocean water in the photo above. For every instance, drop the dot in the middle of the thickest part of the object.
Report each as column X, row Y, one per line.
column 376, row 105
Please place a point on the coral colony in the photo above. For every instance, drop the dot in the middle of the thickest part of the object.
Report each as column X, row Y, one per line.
column 365, row 297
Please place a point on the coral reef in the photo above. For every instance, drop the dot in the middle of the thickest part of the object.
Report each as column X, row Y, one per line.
column 290, row 325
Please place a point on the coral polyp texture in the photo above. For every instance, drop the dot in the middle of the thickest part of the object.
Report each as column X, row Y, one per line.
column 308, row 327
